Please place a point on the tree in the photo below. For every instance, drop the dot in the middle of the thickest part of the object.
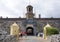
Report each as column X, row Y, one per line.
column 51, row 31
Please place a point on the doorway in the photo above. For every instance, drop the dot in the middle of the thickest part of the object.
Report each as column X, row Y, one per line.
column 30, row 31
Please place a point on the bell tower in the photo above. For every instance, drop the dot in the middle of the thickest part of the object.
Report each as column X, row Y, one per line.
column 29, row 14
column 29, row 9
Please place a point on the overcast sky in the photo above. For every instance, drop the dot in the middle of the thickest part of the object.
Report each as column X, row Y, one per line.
column 17, row 8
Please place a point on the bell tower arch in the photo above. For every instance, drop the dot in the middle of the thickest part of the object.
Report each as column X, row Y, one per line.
column 29, row 9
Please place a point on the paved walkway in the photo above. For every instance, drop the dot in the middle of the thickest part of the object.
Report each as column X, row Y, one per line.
column 32, row 39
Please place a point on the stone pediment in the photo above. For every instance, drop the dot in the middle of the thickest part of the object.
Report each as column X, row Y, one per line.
column 29, row 25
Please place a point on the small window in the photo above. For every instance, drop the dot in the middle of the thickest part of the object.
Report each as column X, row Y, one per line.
column 29, row 9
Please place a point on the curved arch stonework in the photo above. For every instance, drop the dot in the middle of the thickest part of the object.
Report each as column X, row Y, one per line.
column 30, row 29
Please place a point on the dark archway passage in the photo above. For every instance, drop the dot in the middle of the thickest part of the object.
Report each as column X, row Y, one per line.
column 30, row 31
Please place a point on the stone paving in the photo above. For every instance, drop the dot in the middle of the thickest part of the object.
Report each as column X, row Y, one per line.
column 32, row 39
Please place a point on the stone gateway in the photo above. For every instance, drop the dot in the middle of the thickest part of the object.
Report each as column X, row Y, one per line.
column 30, row 24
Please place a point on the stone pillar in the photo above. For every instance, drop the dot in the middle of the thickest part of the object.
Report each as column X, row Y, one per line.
column 39, row 16
column 14, row 30
column 45, row 32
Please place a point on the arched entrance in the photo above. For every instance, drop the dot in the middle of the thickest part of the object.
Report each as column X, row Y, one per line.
column 29, row 31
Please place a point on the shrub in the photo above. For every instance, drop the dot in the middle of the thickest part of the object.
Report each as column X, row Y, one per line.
column 51, row 31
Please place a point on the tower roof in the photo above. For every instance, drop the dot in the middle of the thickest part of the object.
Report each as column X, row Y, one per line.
column 30, row 6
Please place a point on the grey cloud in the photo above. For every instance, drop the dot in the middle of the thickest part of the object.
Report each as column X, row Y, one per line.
column 47, row 8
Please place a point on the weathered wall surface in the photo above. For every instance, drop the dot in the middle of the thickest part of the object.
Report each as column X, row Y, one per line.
column 5, row 23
